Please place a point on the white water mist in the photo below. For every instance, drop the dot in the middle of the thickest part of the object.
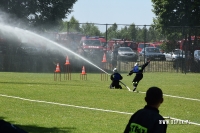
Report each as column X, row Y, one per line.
column 28, row 36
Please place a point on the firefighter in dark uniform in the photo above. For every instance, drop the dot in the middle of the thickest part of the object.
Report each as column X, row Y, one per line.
column 139, row 74
column 115, row 77
column 148, row 119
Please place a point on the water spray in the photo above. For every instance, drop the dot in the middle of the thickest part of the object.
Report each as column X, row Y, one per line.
column 25, row 35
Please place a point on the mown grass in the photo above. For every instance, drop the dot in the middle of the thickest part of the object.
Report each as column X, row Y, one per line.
column 40, row 117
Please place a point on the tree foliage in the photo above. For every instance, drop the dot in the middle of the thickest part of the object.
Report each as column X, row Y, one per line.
column 176, row 13
column 112, row 31
column 38, row 13
column 177, row 19
column 90, row 30
column 71, row 26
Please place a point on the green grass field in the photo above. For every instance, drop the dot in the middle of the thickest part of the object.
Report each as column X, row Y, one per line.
column 38, row 104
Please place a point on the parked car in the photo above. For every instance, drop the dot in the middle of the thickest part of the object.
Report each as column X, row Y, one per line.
column 142, row 45
column 176, row 53
column 197, row 56
column 126, row 54
column 151, row 53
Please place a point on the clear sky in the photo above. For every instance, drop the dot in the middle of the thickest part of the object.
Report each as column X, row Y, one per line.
column 113, row 11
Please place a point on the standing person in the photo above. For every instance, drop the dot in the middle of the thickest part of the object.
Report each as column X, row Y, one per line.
column 113, row 60
column 114, row 54
column 148, row 119
column 115, row 77
column 115, row 48
column 139, row 74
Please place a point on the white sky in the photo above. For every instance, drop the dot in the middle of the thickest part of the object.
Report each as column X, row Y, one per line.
column 113, row 11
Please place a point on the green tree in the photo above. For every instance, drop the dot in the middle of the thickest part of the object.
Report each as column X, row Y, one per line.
column 123, row 33
column 112, row 32
column 140, row 35
column 71, row 26
column 177, row 19
column 90, row 29
column 42, row 14
column 132, row 32
column 128, row 32
column 176, row 13
column 154, row 35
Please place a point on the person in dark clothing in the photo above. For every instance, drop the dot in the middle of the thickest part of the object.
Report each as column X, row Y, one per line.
column 114, row 54
column 148, row 119
column 115, row 48
column 115, row 77
column 113, row 60
column 139, row 74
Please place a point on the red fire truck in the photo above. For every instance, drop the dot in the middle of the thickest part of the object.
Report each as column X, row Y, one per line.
column 141, row 45
column 122, row 43
column 190, row 46
column 92, row 47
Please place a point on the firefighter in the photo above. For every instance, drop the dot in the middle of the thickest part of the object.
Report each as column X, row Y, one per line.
column 139, row 74
column 115, row 77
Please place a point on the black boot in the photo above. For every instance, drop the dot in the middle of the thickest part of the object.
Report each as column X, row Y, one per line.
column 134, row 88
column 120, row 86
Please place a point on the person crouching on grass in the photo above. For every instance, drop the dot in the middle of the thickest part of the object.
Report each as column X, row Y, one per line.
column 147, row 120
column 115, row 77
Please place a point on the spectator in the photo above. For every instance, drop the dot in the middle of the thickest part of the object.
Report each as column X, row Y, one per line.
column 147, row 120
column 115, row 48
column 114, row 54
column 113, row 61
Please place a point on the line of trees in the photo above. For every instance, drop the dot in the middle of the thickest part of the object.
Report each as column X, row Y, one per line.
column 171, row 23
column 130, row 32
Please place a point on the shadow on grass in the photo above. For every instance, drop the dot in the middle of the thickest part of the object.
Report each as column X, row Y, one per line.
column 37, row 83
column 38, row 129
column 57, row 83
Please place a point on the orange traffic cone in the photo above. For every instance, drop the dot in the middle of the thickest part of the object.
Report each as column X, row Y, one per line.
column 104, row 58
column 83, row 71
column 57, row 68
column 67, row 61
